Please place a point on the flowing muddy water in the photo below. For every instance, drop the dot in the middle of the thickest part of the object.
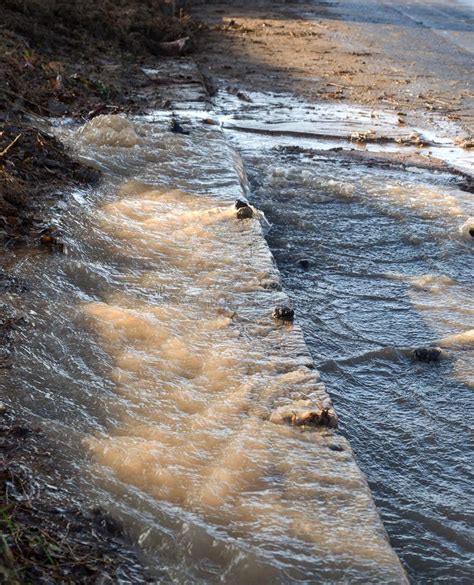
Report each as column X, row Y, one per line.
column 378, row 261
column 152, row 356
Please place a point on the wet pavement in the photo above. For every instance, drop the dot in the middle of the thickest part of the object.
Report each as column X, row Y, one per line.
column 163, row 353
column 371, row 232
column 410, row 55
column 160, row 364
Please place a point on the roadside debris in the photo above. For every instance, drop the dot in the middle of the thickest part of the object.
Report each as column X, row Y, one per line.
column 363, row 136
column 52, row 238
column 240, row 94
column 467, row 143
column 413, row 139
column 12, row 143
column 211, row 122
column 102, row 109
column 304, row 416
column 283, row 313
column 177, row 128
column 427, row 354
column 174, row 48
column 244, row 211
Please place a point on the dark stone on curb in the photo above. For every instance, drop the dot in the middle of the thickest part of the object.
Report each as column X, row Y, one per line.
column 304, row 418
column 334, row 447
column 177, row 128
column 283, row 314
column 244, row 211
column 427, row 354
column 271, row 285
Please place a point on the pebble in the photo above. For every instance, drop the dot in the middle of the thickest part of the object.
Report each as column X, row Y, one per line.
column 427, row 354
column 283, row 313
column 244, row 211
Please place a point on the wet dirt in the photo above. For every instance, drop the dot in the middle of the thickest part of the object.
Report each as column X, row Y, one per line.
column 399, row 55
column 35, row 170
column 47, row 537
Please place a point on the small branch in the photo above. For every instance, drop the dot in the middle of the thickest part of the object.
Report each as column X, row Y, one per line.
column 337, row 85
column 432, row 99
column 7, row 148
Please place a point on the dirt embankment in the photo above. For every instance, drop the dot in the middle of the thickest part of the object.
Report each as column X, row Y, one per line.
column 76, row 58
column 72, row 56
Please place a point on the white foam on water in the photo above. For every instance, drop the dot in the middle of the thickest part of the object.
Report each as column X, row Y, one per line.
column 467, row 229
column 109, row 130
column 427, row 202
column 446, row 306
column 460, row 340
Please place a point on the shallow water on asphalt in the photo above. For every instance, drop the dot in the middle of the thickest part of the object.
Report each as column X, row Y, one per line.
column 378, row 262
column 153, row 357
column 165, row 393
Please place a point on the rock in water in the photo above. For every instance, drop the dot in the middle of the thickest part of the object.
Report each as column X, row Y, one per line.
column 303, row 263
column 177, row 128
column 427, row 354
column 244, row 211
column 284, row 313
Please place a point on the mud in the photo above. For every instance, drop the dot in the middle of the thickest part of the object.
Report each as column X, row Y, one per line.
column 35, row 171
column 47, row 538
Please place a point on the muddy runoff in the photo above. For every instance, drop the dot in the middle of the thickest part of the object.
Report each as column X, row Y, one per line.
column 163, row 355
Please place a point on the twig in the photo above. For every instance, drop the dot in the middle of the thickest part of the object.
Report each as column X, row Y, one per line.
column 336, row 85
column 22, row 97
column 7, row 148
column 439, row 101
